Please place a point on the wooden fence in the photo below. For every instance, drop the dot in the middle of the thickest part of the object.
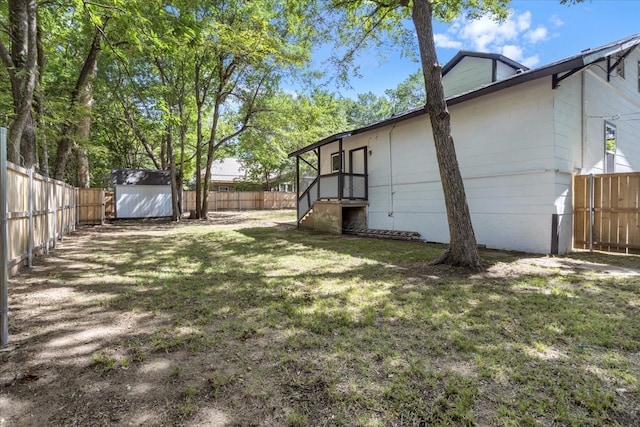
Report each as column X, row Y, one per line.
column 242, row 200
column 91, row 206
column 606, row 212
column 40, row 212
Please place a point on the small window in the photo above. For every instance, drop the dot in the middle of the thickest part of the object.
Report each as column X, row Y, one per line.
column 609, row 147
column 335, row 162
column 224, row 188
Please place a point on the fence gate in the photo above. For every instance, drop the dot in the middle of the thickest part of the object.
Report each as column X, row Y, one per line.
column 91, row 206
column 606, row 212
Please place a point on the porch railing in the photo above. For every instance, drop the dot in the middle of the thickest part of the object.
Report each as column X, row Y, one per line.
column 336, row 186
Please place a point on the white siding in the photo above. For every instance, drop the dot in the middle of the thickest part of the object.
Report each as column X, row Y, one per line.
column 142, row 201
column 503, row 71
column 469, row 73
column 582, row 103
column 518, row 150
column 505, row 147
column 618, row 102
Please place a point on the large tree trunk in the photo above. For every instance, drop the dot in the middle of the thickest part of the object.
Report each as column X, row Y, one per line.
column 41, row 147
column 83, row 178
column 83, row 95
column 21, row 65
column 199, row 163
column 463, row 249
column 211, row 151
column 175, row 208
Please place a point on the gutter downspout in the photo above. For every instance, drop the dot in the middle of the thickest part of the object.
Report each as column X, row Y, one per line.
column 583, row 134
column 390, row 213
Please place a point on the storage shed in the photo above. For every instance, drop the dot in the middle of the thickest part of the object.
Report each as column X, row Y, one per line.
column 140, row 193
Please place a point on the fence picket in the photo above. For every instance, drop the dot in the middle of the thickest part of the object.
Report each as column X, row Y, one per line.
column 616, row 212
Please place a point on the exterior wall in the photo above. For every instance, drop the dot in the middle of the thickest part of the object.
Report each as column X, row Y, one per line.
column 469, row 73
column 582, row 104
column 505, row 148
column 142, row 201
column 518, row 150
column 617, row 102
column 503, row 71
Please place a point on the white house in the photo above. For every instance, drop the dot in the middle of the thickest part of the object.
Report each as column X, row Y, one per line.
column 520, row 136
column 226, row 174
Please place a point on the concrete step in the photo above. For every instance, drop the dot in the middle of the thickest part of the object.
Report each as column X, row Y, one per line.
column 307, row 221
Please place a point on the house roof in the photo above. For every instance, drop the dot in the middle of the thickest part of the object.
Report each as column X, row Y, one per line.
column 228, row 169
column 140, row 177
column 493, row 56
column 559, row 70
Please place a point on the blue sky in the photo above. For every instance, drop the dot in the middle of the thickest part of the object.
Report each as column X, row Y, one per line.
column 536, row 33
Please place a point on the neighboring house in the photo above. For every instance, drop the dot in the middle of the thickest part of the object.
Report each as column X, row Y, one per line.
column 226, row 174
column 139, row 193
column 520, row 137
column 229, row 174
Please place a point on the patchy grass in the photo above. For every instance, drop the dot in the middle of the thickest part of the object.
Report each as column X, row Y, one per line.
column 275, row 326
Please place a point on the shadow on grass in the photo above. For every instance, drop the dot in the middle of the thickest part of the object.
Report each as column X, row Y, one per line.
column 273, row 326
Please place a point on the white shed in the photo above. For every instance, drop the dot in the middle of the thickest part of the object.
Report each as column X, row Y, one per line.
column 520, row 135
column 141, row 193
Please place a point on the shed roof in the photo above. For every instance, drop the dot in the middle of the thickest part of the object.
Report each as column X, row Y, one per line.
column 559, row 70
column 140, row 177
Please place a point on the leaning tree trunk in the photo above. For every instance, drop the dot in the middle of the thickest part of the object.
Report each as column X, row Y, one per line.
column 82, row 93
column 463, row 249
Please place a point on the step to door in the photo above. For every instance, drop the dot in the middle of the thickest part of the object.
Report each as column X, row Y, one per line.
column 383, row 234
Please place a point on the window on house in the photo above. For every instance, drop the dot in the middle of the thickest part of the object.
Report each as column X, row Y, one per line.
column 335, row 162
column 610, row 143
column 224, row 188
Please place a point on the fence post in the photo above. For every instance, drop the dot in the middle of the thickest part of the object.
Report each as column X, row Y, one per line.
column 30, row 237
column 591, row 212
column 55, row 213
column 47, row 214
column 62, row 223
column 4, row 273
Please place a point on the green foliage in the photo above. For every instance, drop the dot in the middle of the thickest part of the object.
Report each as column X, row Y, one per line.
column 409, row 93
column 287, row 123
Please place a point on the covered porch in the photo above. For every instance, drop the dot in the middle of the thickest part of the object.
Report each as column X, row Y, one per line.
column 332, row 185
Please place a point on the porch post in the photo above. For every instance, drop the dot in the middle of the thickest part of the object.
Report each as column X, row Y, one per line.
column 318, row 172
column 340, row 171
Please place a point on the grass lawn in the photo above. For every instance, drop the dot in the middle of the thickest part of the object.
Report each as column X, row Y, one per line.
column 242, row 322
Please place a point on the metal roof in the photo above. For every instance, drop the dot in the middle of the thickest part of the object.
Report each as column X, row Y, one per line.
column 140, row 177
column 565, row 66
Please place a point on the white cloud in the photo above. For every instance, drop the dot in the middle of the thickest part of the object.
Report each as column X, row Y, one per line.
column 444, row 41
column 512, row 52
column 556, row 21
column 537, row 35
column 530, row 61
column 488, row 33
column 511, row 37
column 517, row 54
